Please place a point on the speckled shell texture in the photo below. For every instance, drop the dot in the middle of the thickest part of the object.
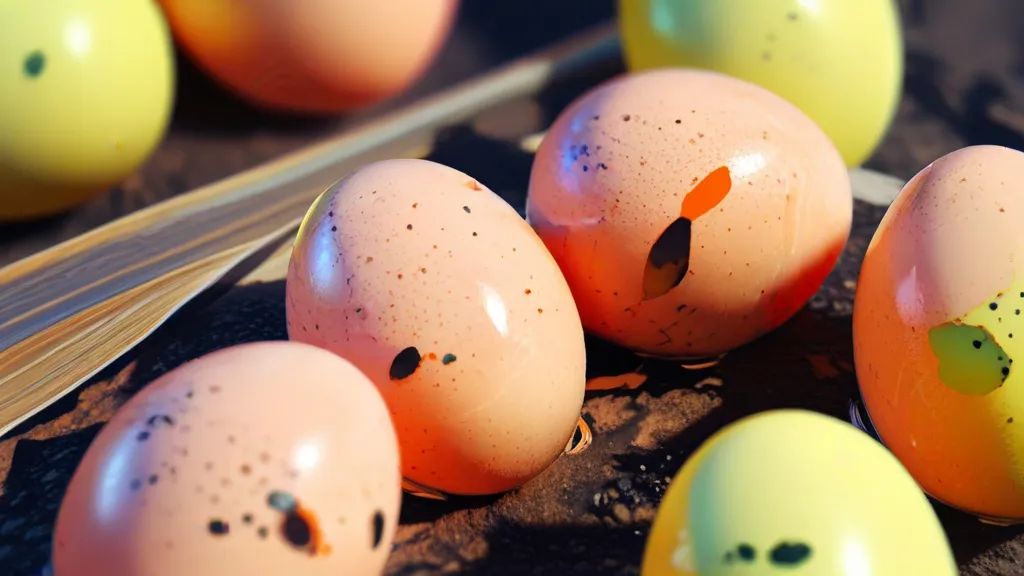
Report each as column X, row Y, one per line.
column 267, row 458
column 444, row 296
column 614, row 171
column 949, row 256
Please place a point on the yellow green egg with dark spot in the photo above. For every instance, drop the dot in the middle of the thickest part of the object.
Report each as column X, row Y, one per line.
column 793, row 492
column 86, row 90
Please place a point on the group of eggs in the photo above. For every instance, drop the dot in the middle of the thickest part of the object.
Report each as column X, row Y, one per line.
column 87, row 86
column 116, row 57
column 436, row 342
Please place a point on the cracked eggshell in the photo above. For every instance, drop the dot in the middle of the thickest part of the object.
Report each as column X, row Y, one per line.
column 795, row 492
column 443, row 295
column 267, row 458
column 939, row 334
column 691, row 212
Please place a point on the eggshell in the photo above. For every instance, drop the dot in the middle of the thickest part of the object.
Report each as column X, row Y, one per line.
column 435, row 288
column 814, row 54
column 268, row 458
column 313, row 56
column 938, row 326
column 86, row 89
column 792, row 491
column 690, row 212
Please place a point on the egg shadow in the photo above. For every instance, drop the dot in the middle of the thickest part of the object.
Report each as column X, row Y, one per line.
column 971, row 116
column 39, row 474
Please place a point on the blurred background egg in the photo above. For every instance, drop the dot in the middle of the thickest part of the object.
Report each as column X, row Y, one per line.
column 840, row 61
column 443, row 295
column 795, row 492
column 938, row 327
column 312, row 56
column 86, row 90
column 691, row 212
column 268, row 458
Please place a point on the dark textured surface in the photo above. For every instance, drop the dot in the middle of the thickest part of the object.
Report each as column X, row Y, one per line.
column 590, row 513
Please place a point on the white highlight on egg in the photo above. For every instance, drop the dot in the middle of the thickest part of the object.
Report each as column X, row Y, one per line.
column 495, row 307
column 681, row 555
column 744, row 165
column 855, row 559
column 112, row 484
column 306, row 457
column 909, row 300
column 78, row 37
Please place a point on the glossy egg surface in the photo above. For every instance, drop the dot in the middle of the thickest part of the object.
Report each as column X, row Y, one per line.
column 795, row 492
column 938, row 329
column 690, row 212
column 443, row 295
column 312, row 56
column 840, row 61
column 267, row 458
column 86, row 90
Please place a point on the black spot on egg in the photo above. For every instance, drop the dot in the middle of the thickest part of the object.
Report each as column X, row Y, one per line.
column 405, row 363
column 296, row 530
column 34, row 64
column 378, row 528
column 247, row 518
column 448, row 359
column 142, row 436
column 262, row 531
column 159, row 420
column 992, row 305
column 790, row 554
column 746, row 552
column 668, row 260
column 218, row 527
column 466, row 208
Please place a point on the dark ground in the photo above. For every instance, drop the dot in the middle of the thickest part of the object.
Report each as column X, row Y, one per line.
column 588, row 514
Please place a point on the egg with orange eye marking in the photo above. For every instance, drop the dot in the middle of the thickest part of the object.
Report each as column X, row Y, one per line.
column 446, row 298
column 691, row 212
column 264, row 458
column 938, row 331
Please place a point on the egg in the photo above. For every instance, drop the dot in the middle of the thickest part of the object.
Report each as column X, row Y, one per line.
column 937, row 326
column 314, row 56
column 815, row 54
column 442, row 294
column 86, row 89
column 795, row 492
column 691, row 212
column 265, row 458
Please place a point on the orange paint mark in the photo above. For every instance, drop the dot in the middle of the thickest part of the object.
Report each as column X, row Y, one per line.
column 473, row 185
column 316, row 533
column 432, row 356
column 707, row 194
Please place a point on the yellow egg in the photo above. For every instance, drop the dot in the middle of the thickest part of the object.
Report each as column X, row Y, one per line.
column 792, row 492
column 840, row 61
column 86, row 88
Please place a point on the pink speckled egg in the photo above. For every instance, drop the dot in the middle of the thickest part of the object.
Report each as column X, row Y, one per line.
column 268, row 458
column 446, row 298
column 691, row 212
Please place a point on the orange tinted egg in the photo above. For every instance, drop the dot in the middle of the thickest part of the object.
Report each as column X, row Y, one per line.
column 939, row 334
column 691, row 212
column 316, row 56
